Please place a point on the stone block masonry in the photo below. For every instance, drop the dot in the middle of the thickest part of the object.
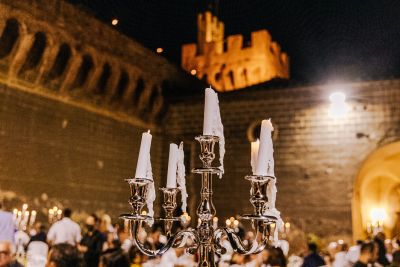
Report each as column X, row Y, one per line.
column 53, row 49
column 77, row 158
column 75, row 96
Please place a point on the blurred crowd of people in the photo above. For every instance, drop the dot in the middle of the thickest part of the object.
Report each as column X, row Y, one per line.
column 100, row 244
column 376, row 251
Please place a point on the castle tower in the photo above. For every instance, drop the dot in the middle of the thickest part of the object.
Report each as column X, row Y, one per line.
column 235, row 66
column 210, row 29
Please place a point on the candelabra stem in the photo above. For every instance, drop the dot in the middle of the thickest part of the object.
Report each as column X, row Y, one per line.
column 206, row 210
column 206, row 256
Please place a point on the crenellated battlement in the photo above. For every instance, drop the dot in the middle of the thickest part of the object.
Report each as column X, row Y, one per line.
column 235, row 66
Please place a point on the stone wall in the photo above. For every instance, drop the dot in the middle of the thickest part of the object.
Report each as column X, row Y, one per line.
column 55, row 154
column 54, row 49
column 75, row 96
column 316, row 157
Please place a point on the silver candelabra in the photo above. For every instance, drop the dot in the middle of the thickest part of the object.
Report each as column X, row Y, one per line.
column 205, row 239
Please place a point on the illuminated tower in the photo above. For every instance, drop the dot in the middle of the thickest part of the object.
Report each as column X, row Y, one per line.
column 210, row 29
column 232, row 66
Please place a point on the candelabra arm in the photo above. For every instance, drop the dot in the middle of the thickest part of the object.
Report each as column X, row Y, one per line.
column 259, row 243
column 177, row 240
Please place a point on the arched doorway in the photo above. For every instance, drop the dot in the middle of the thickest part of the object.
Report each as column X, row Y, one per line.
column 377, row 192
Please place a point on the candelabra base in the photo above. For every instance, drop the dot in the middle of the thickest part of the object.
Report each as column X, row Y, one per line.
column 206, row 254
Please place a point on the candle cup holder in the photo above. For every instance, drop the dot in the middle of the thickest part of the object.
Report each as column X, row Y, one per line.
column 169, row 207
column 207, row 143
column 138, row 189
column 259, row 199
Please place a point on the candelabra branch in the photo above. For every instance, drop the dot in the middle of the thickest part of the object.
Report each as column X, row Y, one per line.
column 180, row 239
column 260, row 241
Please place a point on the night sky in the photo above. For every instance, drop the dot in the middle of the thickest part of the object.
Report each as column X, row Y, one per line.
column 340, row 40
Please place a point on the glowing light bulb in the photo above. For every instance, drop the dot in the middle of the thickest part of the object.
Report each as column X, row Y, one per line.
column 337, row 97
column 378, row 215
column 159, row 50
column 114, row 22
column 193, row 72
column 338, row 108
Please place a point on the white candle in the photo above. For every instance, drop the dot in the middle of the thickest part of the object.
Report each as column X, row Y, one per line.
column 254, row 154
column 265, row 149
column 215, row 222
column 172, row 166
column 25, row 218
column 144, row 156
column 32, row 218
column 15, row 212
column 209, row 107
column 51, row 214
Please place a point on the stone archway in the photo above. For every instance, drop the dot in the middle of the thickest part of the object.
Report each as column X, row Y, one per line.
column 378, row 186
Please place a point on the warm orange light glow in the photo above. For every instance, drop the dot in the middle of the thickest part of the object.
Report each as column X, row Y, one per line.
column 193, row 72
column 238, row 62
column 114, row 22
column 159, row 50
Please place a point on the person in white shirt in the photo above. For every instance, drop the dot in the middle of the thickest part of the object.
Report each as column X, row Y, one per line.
column 176, row 257
column 340, row 257
column 65, row 231
column 7, row 226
